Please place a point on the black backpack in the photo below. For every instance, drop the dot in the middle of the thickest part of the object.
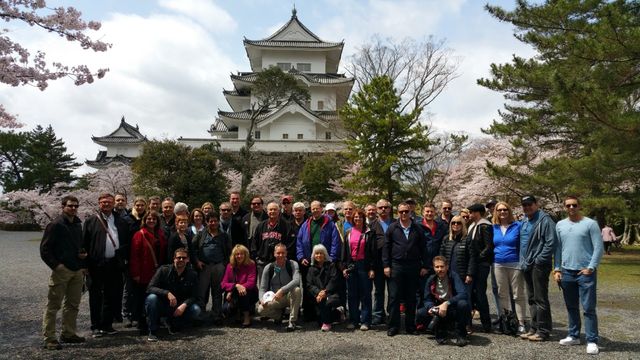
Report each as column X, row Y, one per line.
column 509, row 323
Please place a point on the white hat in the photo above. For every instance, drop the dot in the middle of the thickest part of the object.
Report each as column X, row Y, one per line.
column 330, row 206
column 268, row 296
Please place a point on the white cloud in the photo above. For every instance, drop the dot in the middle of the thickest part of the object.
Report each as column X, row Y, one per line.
column 205, row 12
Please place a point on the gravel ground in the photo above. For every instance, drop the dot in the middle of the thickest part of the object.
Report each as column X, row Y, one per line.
column 23, row 298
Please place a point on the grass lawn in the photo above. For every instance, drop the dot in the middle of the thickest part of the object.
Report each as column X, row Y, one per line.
column 619, row 279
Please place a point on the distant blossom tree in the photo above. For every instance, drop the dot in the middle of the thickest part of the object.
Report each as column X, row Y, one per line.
column 19, row 67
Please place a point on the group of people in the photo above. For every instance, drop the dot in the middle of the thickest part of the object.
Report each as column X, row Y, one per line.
column 158, row 264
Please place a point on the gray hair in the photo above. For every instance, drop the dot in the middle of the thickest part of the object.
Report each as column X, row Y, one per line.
column 298, row 205
column 323, row 250
column 180, row 207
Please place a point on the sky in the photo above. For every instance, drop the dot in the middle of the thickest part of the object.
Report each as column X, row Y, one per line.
column 171, row 59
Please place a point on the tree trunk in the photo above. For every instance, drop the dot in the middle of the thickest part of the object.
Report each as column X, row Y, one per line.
column 626, row 234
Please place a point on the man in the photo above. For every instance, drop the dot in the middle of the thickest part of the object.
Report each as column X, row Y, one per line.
column 236, row 210
column 299, row 217
column 577, row 257
column 371, row 213
column 403, row 260
column 481, row 235
column 446, row 299
column 154, row 203
column 106, row 239
column 344, row 224
column 274, row 230
column 331, row 211
column 168, row 217
column 491, row 205
column 317, row 229
column 230, row 225
column 212, row 249
column 287, row 207
column 412, row 210
column 173, row 293
column 537, row 245
column 445, row 211
column 434, row 230
column 121, row 205
column 379, row 227
column 251, row 220
column 61, row 249
column 282, row 277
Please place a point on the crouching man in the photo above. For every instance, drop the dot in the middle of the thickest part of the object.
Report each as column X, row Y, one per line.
column 173, row 292
column 281, row 279
column 445, row 298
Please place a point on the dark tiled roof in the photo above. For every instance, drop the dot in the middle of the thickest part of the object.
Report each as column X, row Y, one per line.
column 134, row 135
column 103, row 160
column 316, row 78
column 236, row 93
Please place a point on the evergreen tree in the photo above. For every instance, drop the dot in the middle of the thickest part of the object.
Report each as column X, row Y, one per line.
column 573, row 110
column 317, row 174
column 384, row 141
column 12, row 156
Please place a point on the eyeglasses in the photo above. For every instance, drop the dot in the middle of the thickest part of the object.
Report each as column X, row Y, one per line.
column 255, row 203
column 225, row 210
column 402, row 212
column 383, row 207
column 502, row 210
column 73, row 206
column 446, row 208
column 571, row 206
column 456, row 223
column 180, row 258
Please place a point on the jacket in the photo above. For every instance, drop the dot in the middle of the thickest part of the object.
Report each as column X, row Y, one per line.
column 461, row 246
column 246, row 226
column 61, row 243
column 328, row 277
column 94, row 239
column 244, row 275
column 457, row 287
column 198, row 241
column 507, row 247
column 184, row 286
column 481, row 236
column 265, row 239
column 141, row 263
column 369, row 244
column 434, row 240
column 542, row 243
column 174, row 243
column 328, row 237
column 398, row 248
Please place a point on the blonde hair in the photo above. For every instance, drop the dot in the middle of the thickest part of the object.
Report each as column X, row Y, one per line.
column 236, row 249
column 495, row 218
column 459, row 219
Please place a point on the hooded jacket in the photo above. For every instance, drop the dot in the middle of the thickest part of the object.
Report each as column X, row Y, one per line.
column 542, row 243
column 328, row 237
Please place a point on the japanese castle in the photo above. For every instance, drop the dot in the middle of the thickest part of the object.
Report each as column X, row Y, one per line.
column 292, row 127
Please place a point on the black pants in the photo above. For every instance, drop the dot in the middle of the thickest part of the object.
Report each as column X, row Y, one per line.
column 105, row 294
column 458, row 314
column 139, row 294
column 402, row 287
column 479, row 294
column 537, row 280
column 308, row 302
column 326, row 309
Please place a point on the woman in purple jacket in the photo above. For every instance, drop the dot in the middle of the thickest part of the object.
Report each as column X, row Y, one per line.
column 239, row 283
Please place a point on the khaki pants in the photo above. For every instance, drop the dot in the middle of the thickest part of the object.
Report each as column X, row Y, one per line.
column 506, row 277
column 274, row 308
column 66, row 285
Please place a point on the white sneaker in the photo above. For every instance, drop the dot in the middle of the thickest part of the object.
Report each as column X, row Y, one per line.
column 592, row 349
column 569, row 340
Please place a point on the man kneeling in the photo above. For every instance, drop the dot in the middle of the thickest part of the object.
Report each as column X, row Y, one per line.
column 282, row 279
column 445, row 297
column 173, row 292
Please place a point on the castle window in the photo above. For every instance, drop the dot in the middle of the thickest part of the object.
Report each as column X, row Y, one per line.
column 284, row 66
column 327, row 135
column 300, row 136
column 256, row 135
column 305, row 67
column 285, row 136
column 320, row 105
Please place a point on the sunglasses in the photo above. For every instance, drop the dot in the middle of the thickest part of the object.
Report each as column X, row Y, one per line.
column 401, row 212
column 225, row 210
column 73, row 206
column 180, row 257
column 571, row 206
column 456, row 223
column 446, row 208
column 255, row 203
column 466, row 217
column 502, row 210
column 383, row 207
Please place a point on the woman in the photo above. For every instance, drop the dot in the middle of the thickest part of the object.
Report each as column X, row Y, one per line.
column 148, row 252
column 137, row 213
column 207, row 208
column 324, row 284
column 609, row 237
column 239, row 283
column 464, row 213
column 358, row 261
column 456, row 248
column 506, row 240
column 182, row 238
column 196, row 219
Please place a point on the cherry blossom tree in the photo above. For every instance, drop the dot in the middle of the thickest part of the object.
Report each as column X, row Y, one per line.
column 114, row 179
column 19, row 66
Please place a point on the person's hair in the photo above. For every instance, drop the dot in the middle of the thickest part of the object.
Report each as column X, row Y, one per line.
column 370, row 204
column 153, row 213
column 237, row 249
column 458, row 218
column 134, row 212
column 495, row 219
column 319, row 248
column 441, row 258
column 69, row 198
column 571, row 197
column 274, row 203
column 465, row 210
column 121, row 194
column 182, row 217
column 259, row 198
column 168, row 198
column 446, row 201
column 193, row 212
column 429, row 205
column 363, row 216
column 280, row 245
column 315, row 202
column 235, row 192
column 210, row 215
column 402, row 204
column 224, row 203
column 213, row 208
column 180, row 250
column 298, row 205
column 180, row 207
column 104, row 196
column 154, row 198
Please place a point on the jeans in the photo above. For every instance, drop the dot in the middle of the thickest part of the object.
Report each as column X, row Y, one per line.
column 537, row 280
column 480, row 294
column 402, row 287
column 157, row 307
column 379, row 282
column 359, row 295
column 581, row 288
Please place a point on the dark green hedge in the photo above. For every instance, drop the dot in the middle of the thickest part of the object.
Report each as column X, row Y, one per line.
column 20, row 227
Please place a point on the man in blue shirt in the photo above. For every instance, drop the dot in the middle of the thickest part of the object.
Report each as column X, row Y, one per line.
column 577, row 256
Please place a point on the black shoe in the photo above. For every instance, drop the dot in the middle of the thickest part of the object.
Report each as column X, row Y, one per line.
column 95, row 333
column 461, row 341
column 441, row 340
column 118, row 319
column 377, row 322
column 110, row 331
column 411, row 331
column 392, row 332
column 73, row 339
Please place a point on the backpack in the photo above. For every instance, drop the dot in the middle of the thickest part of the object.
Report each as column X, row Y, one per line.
column 509, row 323
column 287, row 266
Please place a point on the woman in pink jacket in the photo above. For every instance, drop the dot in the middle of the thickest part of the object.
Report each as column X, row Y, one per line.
column 239, row 284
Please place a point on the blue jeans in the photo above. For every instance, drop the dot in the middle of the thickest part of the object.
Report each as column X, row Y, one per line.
column 581, row 288
column 359, row 288
column 379, row 282
column 158, row 307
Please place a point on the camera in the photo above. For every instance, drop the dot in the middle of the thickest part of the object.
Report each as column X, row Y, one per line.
column 350, row 268
column 434, row 310
column 435, row 320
